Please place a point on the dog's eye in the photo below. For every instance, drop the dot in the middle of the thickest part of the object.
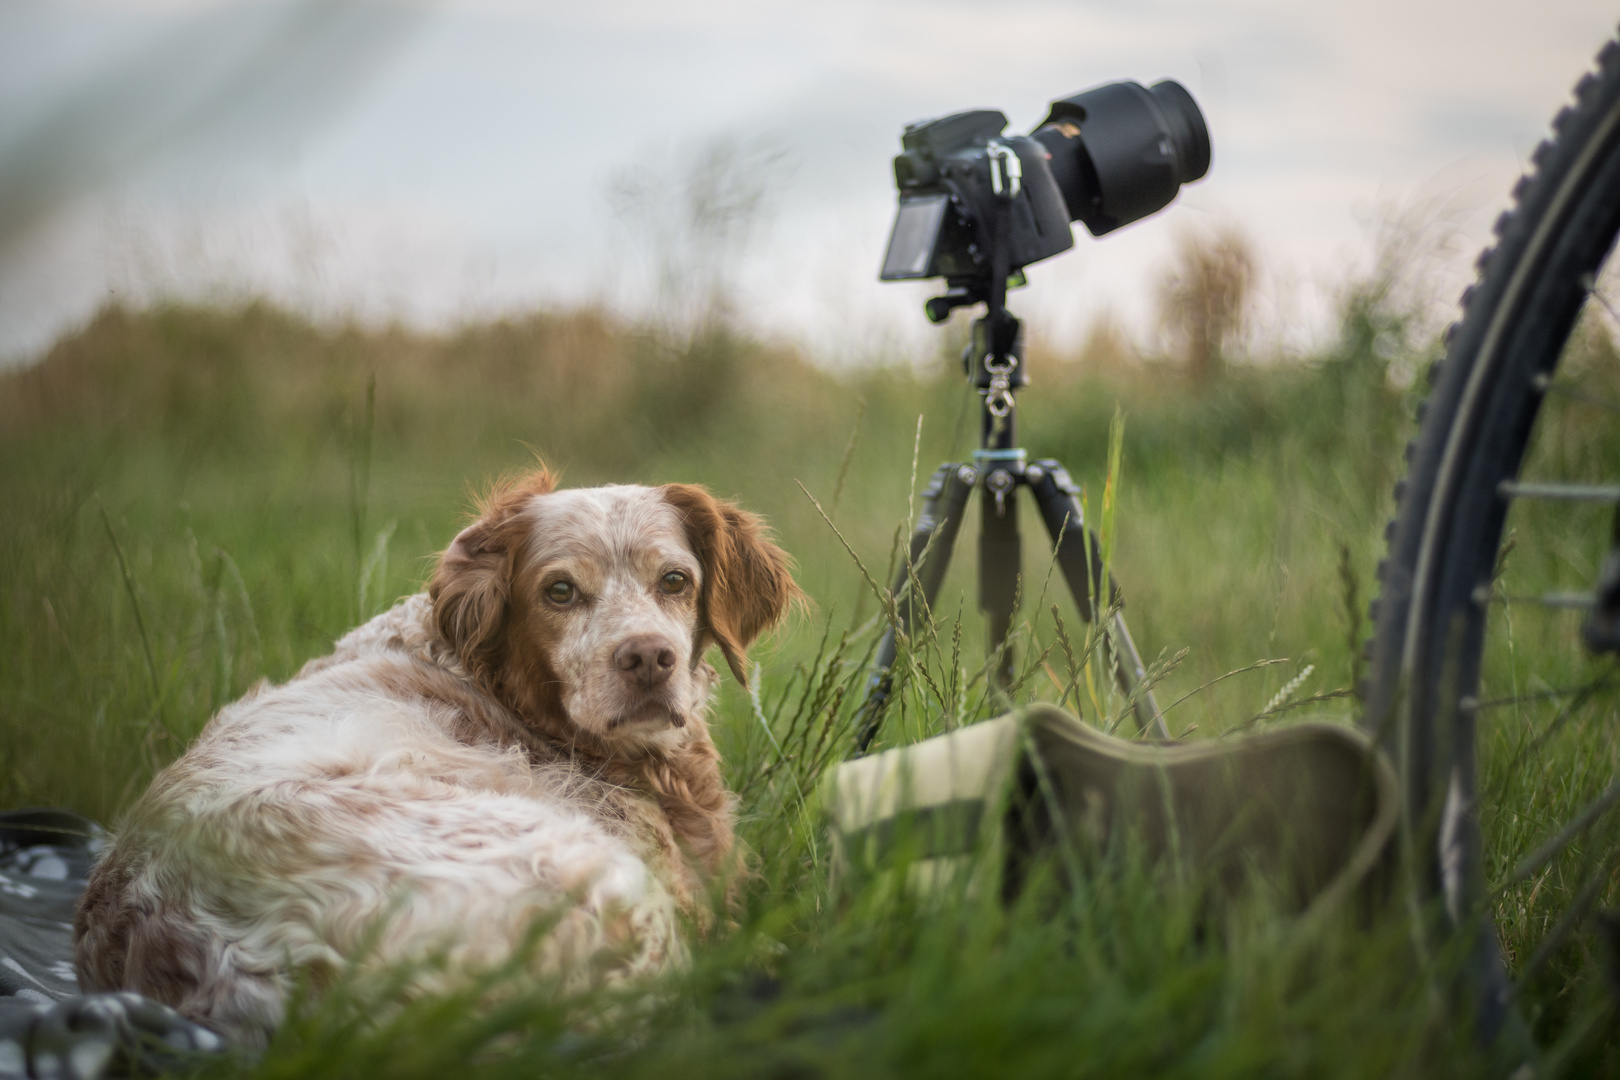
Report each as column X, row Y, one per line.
column 560, row 592
column 673, row 582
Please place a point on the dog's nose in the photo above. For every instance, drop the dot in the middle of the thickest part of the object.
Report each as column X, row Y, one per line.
column 646, row 660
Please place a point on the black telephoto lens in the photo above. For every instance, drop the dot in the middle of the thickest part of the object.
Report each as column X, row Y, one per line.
column 1121, row 152
column 1186, row 126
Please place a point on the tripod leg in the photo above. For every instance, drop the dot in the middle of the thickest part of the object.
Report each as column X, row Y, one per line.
column 1000, row 552
column 1081, row 560
column 932, row 541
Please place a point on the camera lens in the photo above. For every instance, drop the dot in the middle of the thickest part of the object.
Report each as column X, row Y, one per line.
column 1121, row 151
column 1188, row 134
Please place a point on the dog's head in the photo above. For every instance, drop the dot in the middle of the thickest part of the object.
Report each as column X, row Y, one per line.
column 593, row 606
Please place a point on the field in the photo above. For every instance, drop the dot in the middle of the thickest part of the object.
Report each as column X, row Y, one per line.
column 198, row 498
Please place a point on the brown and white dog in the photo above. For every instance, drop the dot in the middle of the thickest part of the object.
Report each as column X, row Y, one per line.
column 524, row 741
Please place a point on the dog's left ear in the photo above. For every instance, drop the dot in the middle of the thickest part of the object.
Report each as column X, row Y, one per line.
column 472, row 586
column 747, row 583
column 470, row 590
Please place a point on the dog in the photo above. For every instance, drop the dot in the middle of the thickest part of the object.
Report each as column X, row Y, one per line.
column 523, row 745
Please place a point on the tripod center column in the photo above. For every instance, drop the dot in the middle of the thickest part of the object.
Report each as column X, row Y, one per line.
column 994, row 361
column 1000, row 549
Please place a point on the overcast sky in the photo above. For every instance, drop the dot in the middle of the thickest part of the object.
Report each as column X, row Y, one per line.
column 446, row 162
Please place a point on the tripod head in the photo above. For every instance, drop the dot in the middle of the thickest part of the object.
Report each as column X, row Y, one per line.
column 994, row 356
column 996, row 371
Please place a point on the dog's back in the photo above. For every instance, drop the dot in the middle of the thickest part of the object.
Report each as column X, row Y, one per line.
column 335, row 819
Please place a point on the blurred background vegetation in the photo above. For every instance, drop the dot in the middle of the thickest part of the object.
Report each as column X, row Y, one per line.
column 199, row 497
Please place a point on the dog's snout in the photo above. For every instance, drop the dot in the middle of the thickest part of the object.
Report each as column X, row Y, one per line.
column 647, row 660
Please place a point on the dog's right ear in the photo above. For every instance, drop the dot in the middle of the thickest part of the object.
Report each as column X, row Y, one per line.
column 470, row 591
column 747, row 586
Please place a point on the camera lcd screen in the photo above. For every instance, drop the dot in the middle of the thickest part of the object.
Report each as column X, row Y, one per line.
column 916, row 231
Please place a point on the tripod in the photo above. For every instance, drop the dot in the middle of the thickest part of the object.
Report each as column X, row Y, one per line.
column 994, row 360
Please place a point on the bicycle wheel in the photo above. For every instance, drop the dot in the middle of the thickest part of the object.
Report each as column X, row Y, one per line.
column 1502, row 726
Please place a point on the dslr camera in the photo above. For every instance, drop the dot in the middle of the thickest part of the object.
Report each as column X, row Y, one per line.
column 977, row 206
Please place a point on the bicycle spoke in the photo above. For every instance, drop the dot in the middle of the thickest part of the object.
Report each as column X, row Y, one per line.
column 1544, row 854
column 1582, row 697
column 1560, row 933
column 1555, row 693
column 1572, row 700
column 1548, row 384
column 1597, row 493
column 1590, row 281
column 1566, row 600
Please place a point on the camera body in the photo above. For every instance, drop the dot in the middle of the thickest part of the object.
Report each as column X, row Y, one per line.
column 1105, row 157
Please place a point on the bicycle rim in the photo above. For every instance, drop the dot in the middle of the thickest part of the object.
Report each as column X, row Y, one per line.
column 1500, row 725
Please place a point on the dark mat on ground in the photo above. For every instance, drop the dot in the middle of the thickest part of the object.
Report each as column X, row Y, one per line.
column 49, row 1030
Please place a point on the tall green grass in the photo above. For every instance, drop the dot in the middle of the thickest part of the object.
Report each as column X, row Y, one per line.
column 196, row 499
column 199, row 498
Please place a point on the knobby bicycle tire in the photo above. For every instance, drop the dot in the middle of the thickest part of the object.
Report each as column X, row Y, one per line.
column 1435, row 585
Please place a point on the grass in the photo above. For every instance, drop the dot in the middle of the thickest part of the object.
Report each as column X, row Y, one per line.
column 200, row 498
